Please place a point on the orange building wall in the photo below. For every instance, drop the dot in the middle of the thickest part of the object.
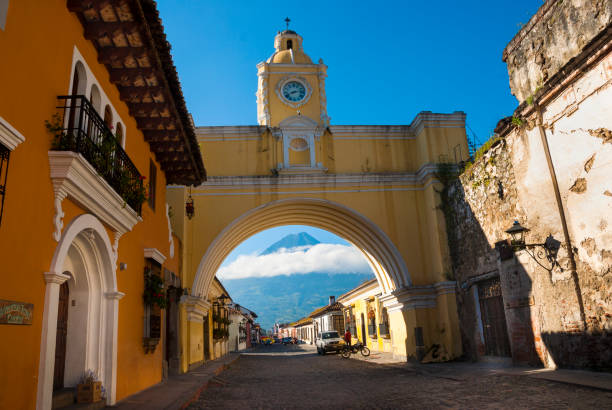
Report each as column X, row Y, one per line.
column 37, row 49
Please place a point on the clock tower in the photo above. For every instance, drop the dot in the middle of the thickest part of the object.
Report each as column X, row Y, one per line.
column 291, row 101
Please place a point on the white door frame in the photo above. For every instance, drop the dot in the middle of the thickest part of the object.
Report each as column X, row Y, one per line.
column 90, row 226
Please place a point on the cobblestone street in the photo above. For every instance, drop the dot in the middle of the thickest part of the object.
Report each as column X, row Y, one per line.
column 296, row 377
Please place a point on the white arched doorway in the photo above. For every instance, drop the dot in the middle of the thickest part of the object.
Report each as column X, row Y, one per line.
column 84, row 260
column 380, row 252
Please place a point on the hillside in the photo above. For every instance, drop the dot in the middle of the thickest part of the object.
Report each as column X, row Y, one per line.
column 289, row 298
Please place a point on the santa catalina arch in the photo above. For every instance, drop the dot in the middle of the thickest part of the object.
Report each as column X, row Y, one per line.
column 373, row 185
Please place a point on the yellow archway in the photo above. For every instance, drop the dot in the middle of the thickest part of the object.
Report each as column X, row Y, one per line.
column 382, row 255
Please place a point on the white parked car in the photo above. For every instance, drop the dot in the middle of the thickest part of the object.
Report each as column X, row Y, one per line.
column 329, row 342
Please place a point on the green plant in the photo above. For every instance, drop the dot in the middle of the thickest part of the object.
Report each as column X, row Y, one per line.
column 448, row 176
column 154, row 293
column 61, row 141
column 517, row 122
column 220, row 333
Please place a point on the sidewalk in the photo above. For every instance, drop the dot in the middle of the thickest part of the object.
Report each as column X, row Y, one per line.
column 467, row 370
column 177, row 390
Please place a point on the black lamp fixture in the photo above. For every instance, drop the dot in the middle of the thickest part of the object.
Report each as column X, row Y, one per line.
column 548, row 250
column 222, row 299
column 189, row 208
column 517, row 232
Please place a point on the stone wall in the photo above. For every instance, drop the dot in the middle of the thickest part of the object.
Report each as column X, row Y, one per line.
column 555, row 34
column 553, row 317
column 549, row 168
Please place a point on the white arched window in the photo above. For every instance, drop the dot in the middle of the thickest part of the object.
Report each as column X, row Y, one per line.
column 94, row 98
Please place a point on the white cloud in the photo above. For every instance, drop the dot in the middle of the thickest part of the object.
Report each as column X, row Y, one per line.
column 323, row 257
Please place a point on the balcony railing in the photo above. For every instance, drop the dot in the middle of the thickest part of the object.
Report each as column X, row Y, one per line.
column 383, row 328
column 372, row 330
column 82, row 130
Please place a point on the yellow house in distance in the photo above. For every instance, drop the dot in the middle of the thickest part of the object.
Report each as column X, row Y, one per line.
column 366, row 317
column 373, row 185
column 93, row 126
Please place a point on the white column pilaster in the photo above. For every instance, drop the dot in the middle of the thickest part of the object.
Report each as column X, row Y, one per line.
column 46, row 364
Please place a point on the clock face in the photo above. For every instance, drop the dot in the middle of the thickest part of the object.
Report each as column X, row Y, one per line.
column 294, row 91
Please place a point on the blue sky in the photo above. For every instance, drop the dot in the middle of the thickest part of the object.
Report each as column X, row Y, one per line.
column 387, row 60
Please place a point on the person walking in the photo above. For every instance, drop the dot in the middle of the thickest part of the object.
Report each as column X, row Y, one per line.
column 347, row 336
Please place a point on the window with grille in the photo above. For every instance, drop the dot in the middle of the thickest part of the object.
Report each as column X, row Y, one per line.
column 152, row 325
column 4, row 161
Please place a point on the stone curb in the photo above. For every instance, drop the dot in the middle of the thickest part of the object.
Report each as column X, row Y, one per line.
column 217, row 371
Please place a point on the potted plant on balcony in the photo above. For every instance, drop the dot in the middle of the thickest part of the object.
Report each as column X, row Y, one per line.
column 89, row 390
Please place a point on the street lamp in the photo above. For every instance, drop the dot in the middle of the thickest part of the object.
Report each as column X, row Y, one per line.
column 517, row 232
column 548, row 250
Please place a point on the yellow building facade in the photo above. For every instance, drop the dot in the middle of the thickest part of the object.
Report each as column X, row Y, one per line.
column 375, row 186
column 80, row 242
column 366, row 317
column 204, row 327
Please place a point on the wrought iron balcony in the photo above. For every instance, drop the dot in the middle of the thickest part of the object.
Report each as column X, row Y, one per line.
column 383, row 328
column 372, row 330
column 82, row 130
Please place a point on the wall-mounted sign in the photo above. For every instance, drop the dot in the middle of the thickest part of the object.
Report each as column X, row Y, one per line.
column 15, row 313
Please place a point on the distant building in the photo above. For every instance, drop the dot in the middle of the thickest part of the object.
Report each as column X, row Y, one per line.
column 328, row 318
column 241, row 322
column 305, row 330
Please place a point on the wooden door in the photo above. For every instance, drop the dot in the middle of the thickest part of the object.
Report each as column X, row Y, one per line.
column 493, row 318
column 206, row 339
column 60, row 338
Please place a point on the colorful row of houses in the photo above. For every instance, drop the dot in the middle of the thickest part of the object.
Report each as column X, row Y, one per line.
column 359, row 311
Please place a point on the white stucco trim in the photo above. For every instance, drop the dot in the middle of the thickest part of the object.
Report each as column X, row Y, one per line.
column 74, row 177
column 155, row 254
column 9, row 136
column 100, row 243
column 170, row 238
column 196, row 307
column 92, row 81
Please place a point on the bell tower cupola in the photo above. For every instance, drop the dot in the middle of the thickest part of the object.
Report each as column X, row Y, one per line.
column 291, row 101
column 290, row 84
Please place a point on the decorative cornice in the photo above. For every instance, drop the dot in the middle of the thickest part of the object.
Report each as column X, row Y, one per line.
column 417, row 297
column 114, row 295
column 422, row 176
column 196, row 307
column 156, row 255
column 9, row 136
column 446, row 288
column 369, row 131
column 74, row 177
column 428, row 119
column 424, row 119
column 54, row 277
